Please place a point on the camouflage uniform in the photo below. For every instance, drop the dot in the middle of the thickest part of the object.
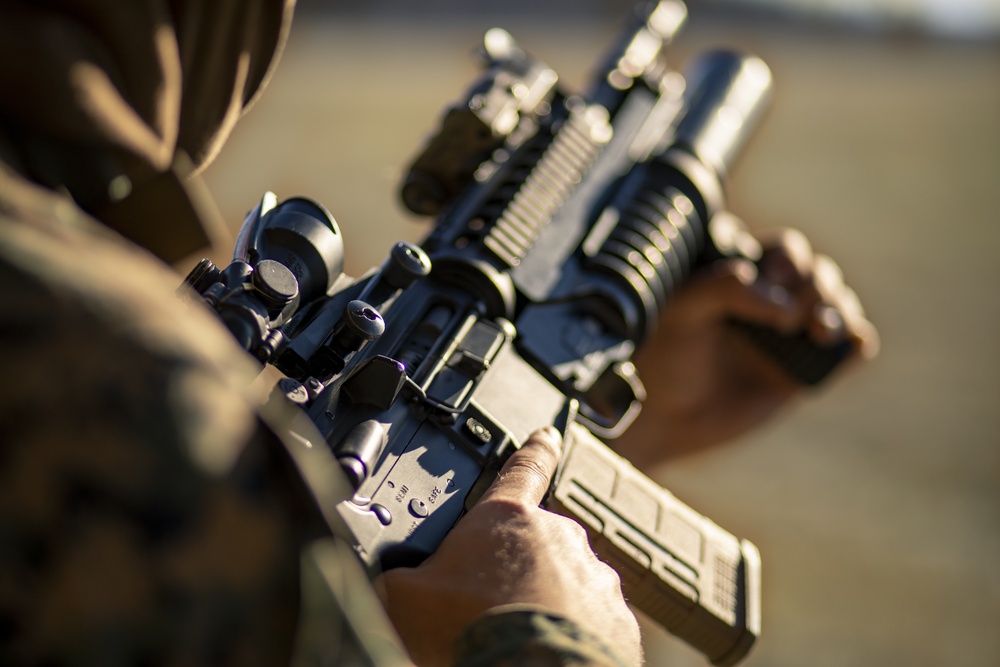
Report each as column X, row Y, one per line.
column 148, row 513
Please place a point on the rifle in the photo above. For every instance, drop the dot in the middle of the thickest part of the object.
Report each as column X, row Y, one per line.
column 564, row 224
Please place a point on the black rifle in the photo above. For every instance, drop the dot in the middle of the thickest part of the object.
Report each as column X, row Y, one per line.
column 564, row 225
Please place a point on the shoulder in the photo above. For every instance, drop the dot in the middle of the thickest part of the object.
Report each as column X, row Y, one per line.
column 137, row 499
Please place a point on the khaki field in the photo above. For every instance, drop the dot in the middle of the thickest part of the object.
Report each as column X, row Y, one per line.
column 876, row 501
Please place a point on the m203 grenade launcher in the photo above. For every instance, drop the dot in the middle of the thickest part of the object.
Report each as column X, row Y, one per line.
column 565, row 223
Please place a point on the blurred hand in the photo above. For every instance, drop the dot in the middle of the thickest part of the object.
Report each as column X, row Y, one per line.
column 706, row 383
column 506, row 550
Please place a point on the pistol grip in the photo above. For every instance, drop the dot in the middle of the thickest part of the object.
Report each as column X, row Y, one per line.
column 802, row 358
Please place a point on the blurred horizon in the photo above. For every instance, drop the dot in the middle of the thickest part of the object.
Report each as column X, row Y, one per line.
column 974, row 20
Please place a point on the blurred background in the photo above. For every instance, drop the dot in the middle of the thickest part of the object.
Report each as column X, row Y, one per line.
column 875, row 502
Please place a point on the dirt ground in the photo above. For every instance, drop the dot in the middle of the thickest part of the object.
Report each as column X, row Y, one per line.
column 875, row 502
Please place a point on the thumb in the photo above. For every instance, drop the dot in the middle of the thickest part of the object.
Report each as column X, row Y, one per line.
column 527, row 474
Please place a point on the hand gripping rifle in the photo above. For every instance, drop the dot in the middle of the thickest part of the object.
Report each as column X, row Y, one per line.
column 564, row 225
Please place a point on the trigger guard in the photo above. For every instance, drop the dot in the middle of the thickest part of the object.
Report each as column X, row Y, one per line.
column 620, row 393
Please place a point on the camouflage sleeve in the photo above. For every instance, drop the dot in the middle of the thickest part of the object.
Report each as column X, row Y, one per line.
column 530, row 637
column 145, row 514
